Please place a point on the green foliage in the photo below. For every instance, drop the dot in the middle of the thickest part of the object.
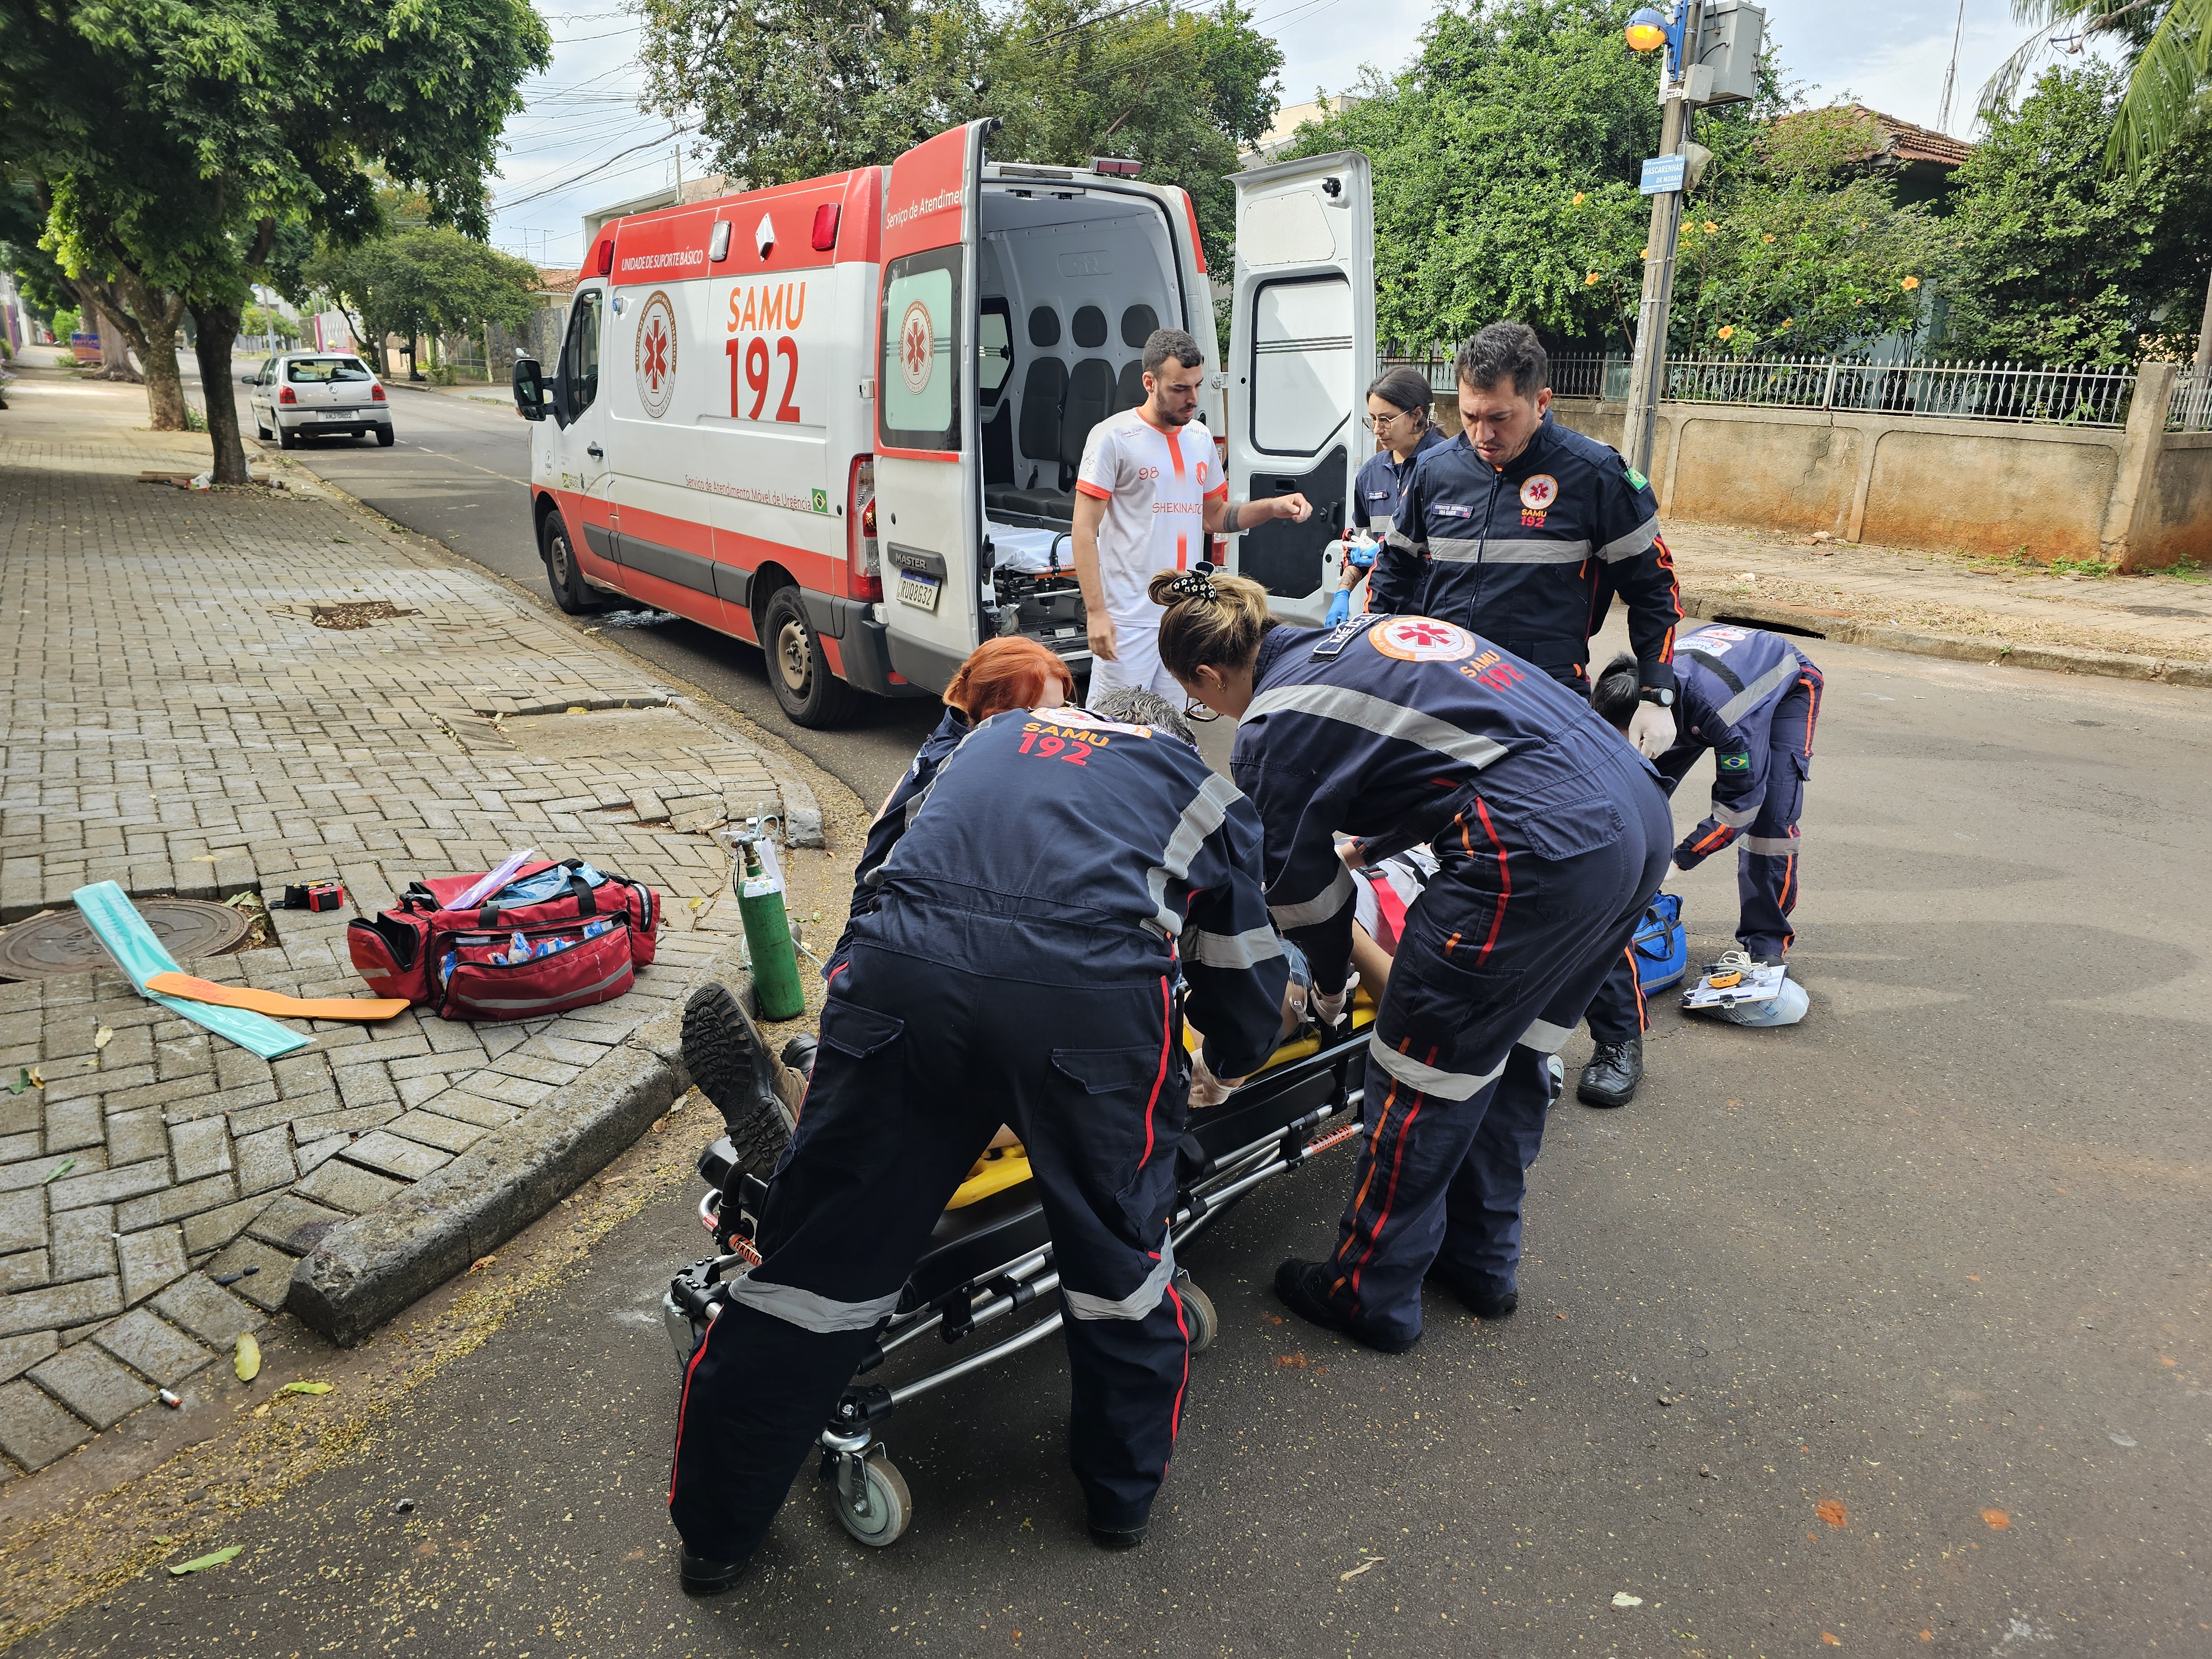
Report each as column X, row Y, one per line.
column 428, row 281
column 858, row 81
column 2168, row 45
column 66, row 321
column 1506, row 157
column 255, row 322
column 2058, row 261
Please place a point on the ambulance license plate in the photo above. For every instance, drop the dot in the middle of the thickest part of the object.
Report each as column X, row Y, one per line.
column 918, row 591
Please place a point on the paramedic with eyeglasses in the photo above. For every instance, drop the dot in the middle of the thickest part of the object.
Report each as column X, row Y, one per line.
column 1399, row 415
column 1022, row 973
column 1549, row 835
column 1523, row 530
column 1148, row 494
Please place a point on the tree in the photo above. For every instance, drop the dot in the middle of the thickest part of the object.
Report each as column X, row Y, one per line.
column 190, row 137
column 2058, row 260
column 859, row 81
column 428, row 281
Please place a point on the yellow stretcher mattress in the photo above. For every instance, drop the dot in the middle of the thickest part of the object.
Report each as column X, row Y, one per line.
column 1008, row 1166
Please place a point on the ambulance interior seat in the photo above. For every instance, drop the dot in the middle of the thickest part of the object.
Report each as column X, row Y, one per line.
column 1138, row 323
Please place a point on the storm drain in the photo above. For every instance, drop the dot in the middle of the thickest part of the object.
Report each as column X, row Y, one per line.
column 63, row 942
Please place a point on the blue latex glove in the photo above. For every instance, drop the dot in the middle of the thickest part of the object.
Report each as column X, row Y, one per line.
column 1361, row 555
column 1340, row 608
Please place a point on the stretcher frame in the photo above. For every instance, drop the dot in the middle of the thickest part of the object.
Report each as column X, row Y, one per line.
column 992, row 1257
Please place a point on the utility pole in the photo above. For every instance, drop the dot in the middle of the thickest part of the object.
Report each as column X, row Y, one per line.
column 1648, row 368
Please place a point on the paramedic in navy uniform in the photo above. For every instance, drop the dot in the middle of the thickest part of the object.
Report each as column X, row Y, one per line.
column 1398, row 414
column 1017, row 967
column 1549, row 834
column 1522, row 529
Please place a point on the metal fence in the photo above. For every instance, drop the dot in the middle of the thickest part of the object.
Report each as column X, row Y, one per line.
column 2076, row 395
column 2190, row 409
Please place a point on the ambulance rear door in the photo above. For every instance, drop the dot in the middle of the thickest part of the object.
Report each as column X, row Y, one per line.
column 1300, row 354
column 928, row 493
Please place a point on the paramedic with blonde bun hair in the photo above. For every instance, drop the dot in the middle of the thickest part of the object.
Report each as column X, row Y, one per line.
column 1548, row 832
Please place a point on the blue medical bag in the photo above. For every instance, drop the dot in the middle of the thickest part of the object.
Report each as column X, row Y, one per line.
column 1662, row 948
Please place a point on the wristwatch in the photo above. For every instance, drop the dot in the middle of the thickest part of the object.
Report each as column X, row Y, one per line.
column 1654, row 695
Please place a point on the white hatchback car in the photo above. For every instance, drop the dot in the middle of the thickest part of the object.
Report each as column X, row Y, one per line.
column 317, row 394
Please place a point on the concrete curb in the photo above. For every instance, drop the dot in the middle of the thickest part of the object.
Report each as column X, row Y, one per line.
column 364, row 1271
column 1958, row 647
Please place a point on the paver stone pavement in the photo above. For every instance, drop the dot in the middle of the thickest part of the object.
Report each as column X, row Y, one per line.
column 213, row 693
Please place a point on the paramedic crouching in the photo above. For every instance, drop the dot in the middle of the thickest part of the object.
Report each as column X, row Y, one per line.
column 1549, row 835
column 1148, row 494
column 1018, row 967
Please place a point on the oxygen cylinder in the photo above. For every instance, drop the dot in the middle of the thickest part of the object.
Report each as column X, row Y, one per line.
column 768, row 932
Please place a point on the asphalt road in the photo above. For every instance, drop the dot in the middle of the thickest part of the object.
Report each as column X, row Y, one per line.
column 1883, row 1333
column 459, row 470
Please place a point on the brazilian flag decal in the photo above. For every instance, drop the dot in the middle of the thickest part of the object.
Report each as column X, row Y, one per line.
column 1636, row 480
column 1735, row 762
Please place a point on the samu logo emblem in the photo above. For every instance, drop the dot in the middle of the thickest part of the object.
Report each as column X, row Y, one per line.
column 1422, row 639
column 655, row 355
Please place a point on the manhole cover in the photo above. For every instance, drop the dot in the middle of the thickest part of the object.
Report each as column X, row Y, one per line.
column 64, row 942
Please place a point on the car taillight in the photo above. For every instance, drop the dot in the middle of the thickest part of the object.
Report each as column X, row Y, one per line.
column 288, row 396
column 376, row 394
column 867, row 570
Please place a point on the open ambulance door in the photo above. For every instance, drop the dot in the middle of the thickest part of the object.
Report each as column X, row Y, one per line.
column 1300, row 354
column 927, row 493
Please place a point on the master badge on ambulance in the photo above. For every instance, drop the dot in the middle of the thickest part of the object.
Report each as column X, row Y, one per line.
column 656, row 355
column 1538, row 491
column 1422, row 639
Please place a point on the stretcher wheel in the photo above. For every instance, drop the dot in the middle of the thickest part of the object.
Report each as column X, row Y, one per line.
column 886, row 1509
column 1198, row 1313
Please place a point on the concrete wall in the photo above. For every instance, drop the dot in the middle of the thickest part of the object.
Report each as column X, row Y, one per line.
column 2139, row 496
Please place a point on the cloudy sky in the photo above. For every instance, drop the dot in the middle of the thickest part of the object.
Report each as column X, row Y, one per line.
column 582, row 143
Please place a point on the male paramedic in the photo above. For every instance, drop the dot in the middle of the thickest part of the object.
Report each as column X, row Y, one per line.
column 1549, row 835
column 1149, row 493
column 1522, row 529
column 1752, row 699
column 1019, row 966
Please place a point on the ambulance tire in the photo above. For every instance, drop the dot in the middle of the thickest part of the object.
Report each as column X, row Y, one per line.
column 798, row 672
column 570, row 592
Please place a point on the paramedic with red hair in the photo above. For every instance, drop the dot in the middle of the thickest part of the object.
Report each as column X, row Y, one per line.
column 1149, row 493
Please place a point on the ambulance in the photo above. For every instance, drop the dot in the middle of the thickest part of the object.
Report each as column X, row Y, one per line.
column 840, row 419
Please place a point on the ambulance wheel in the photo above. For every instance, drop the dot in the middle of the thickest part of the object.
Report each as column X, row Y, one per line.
column 798, row 672
column 1198, row 1314
column 570, row 592
column 888, row 1505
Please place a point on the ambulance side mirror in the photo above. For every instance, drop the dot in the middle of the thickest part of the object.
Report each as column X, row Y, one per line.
column 530, row 398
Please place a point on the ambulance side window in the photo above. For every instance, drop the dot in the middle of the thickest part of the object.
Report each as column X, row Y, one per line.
column 580, row 354
column 994, row 352
column 919, row 407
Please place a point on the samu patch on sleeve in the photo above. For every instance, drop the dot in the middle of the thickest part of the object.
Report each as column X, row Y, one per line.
column 1342, row 634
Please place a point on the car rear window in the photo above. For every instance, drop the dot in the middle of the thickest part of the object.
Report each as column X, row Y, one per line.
column 322, row 371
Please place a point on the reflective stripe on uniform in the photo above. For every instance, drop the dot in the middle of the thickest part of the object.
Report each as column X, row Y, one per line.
column 1139, row 1303
column 1207, row 811
column 1380, row 716
column 1772, row 846
column 1319, row 908
column 1636, row 541
column 1759, row 690
column 1397, row 538
column 1430, row 1080
column 1545, row 1037
column 1230, row 949
column 808, row 1309
column 1735, row 816
column 1513, row 552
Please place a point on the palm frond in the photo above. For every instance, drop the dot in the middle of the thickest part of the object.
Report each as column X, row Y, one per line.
column 2162, row 92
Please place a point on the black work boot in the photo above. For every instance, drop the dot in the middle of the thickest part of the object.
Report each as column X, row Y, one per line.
column 727, row 1058
column 705, row 1577
column 1613, row 1073
column 1298, row 1284
column 1118, row 1538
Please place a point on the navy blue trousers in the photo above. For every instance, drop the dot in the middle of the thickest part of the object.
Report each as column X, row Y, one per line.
column 1531, row 904
column 919, row 1062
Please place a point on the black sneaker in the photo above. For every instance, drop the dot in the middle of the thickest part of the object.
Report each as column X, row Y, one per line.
column 1613, row 1073
column 1298, row 1284
column 1484, row 1299
column 705, row 1577
column 727, row 1058
column 1119, row 1537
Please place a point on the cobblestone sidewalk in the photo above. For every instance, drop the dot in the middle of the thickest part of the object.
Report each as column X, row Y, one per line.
column 174, row 718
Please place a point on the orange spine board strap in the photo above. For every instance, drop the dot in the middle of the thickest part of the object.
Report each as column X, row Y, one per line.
column 274, row 1002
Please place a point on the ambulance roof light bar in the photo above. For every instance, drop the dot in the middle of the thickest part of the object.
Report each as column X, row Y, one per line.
column 1116, row 166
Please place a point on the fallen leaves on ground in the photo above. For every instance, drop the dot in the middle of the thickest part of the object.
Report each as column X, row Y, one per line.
column 1832, row 1512
column 1623, row 1599
column 482, row 1263
column 59, row 1170
column 1998, row 1520
column 102, row 1037
column 248, row 1362
column 1295, row 1362
column 1372, row 1561
column 305, row 1388
column 1831, row 1641
column 205, row 1561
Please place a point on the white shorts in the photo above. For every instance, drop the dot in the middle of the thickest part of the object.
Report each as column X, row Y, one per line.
column 1138, row 645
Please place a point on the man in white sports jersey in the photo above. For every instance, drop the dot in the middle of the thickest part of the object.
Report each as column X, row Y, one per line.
column 1149, row 492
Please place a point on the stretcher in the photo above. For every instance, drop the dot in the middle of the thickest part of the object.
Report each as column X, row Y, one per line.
column 990, row 1257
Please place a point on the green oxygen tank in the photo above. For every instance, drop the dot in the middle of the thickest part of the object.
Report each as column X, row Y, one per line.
column 759, row 882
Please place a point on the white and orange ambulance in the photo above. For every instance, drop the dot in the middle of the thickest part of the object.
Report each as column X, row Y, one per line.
column 841, row 419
